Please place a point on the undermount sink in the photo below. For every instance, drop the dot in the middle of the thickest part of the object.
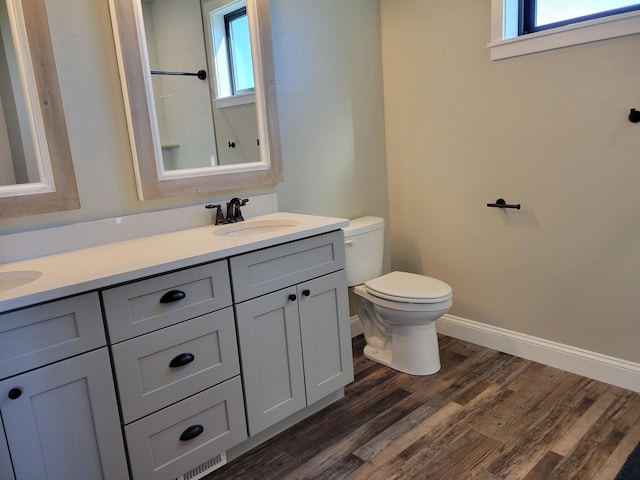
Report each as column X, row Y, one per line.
column 15, row 279
column 254, row 227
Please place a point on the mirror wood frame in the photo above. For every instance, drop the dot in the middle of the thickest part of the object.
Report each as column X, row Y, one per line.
column 65, row 197
column 134, row 77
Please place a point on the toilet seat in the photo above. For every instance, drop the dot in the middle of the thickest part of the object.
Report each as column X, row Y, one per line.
column 407, row 287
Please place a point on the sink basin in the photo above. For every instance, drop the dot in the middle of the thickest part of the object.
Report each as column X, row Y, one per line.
column 15, row 279
column 254, row 227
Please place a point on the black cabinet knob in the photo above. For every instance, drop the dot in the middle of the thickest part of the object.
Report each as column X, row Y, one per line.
column 306, row 292
column 172, row 296
column 192, row 432
column 293, row 297
column 182, row 360
column 15, row 393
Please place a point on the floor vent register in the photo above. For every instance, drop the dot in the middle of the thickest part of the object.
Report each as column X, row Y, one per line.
column 205, row 468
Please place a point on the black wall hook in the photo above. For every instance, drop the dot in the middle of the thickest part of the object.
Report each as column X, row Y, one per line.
column 500, row 203
column 634, row 116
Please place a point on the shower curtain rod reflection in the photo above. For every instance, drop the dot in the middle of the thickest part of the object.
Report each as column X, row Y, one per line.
column 201, row 74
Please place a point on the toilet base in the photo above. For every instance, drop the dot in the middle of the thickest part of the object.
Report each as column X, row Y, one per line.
column 414, row 350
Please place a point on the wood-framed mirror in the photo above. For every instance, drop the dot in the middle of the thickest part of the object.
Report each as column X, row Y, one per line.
column 37, row 173
column 175, row 96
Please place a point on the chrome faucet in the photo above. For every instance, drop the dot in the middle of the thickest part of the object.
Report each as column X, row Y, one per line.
column 233, row 209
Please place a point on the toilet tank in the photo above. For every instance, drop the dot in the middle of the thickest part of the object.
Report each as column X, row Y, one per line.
column 363, row 246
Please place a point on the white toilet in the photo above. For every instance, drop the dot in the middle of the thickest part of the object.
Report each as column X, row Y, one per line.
column 397, row 310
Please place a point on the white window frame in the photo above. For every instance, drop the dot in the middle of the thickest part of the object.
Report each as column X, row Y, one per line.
column 214, row 11
column 506, row 43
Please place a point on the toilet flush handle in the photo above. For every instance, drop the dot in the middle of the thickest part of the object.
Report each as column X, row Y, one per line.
column 349, row 243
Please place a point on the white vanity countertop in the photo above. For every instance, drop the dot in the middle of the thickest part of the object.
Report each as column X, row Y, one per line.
column 92, row 268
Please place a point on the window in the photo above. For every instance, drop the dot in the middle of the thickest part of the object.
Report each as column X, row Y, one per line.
column 520, row 27
column 228, row 35
column 537, row 15
column 236, row 25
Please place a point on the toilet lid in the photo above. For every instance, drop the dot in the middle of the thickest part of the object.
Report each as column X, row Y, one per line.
column 409, row 288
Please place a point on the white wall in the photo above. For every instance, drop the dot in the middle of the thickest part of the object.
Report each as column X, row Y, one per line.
column 549, row 131
column 329, row 75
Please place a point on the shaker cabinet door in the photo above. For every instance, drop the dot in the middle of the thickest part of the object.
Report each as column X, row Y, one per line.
column 326, row 335
column 6, row 470
column 50, row 425
column 271, row 354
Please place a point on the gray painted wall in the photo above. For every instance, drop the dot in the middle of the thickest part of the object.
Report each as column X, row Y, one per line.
column 547, row 130
column 329, row 74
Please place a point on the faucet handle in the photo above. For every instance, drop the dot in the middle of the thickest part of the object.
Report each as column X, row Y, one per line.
column 219, row 215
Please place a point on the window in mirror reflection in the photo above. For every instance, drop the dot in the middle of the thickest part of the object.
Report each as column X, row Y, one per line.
column 228, row 35
column 240, row 62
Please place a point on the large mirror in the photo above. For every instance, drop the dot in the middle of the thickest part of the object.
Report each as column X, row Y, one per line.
column 36, row 170
column 199, row 88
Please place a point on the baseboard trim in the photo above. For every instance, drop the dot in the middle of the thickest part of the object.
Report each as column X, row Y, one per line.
column 614, row 371
column 356, row 326
column 604, row 368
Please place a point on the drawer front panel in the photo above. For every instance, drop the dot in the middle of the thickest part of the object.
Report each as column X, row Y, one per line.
column 50, row 332
column 141, row 307
column 155, row 448
column 264, row 271
column 204, row 352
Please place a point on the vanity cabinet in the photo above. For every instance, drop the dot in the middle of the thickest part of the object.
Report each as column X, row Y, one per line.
column 186, row 367
column 57, row 397
column 177, row 367
column 292, row 311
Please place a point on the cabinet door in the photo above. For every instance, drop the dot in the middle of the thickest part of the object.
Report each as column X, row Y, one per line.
column 6, row 470
column 326, row 336
column 64, row 424
column 272, row 370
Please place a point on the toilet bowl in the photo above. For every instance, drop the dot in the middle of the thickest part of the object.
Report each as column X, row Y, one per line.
column 397, row 310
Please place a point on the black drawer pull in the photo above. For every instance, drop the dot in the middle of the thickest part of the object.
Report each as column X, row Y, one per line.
column 182, row 360
column 192, row 432
column 293, row 297
column 15, row 393
column 172, row 296
column 306, row 292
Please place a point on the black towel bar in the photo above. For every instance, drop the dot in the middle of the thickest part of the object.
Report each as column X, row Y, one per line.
column 500, row 203
column 201, row 74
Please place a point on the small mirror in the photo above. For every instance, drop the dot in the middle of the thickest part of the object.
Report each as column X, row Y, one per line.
column 36, row 171
column 199, row 94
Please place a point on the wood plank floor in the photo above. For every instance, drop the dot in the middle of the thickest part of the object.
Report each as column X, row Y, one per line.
column 486, row 415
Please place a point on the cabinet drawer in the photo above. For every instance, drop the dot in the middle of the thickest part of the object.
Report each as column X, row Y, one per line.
column 264, row 271
column 204, row 351
column 36, row 336
column 155, row 448
column 147, row 305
